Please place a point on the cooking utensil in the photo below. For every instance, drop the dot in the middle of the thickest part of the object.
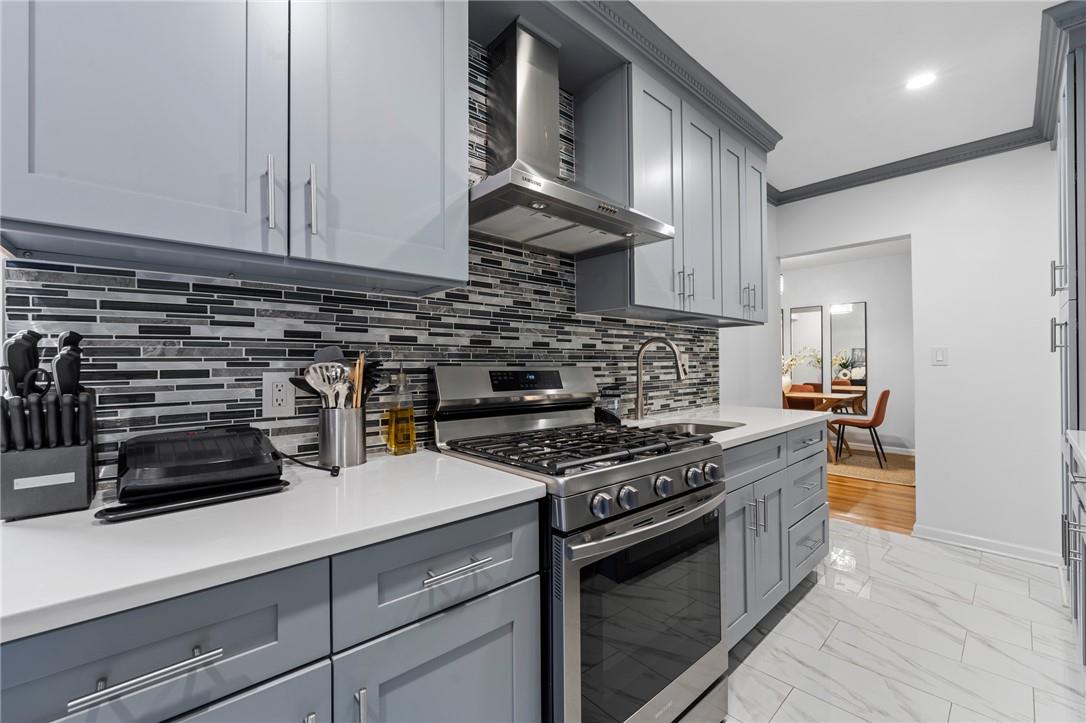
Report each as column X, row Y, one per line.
column 51, row 404
column 86, row 418
column 302, row 385
column 67, row 419
column 330, row 380
column 358, row 381
column 37, row 423
column 66, row 369
column 328, row 354
column 17, row 418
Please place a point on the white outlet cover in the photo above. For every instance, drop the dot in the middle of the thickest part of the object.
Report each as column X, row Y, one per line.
column 940, row 356
column 276, row 386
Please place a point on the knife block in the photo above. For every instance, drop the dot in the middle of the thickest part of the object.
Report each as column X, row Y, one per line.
column 43, row 481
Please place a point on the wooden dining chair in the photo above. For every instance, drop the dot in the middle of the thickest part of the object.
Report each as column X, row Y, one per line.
column 800, row 403
column 871, row 424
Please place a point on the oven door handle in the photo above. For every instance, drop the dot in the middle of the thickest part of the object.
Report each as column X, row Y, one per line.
column 640, row 534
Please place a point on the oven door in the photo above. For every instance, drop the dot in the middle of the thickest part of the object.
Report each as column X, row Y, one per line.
column 637, row 624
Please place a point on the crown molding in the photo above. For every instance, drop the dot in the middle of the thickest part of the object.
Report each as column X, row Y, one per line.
column 633, row 26
column 924, row 162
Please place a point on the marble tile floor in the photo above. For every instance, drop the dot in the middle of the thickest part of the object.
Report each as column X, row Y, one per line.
column 895, row 628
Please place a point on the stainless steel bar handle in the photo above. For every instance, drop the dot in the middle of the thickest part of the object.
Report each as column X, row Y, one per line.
column 473, row 566
column 198, row 660
column 810, row 486
column 754, row 527
column 811, row 440
column 360, row 696
column 753, row 297
column 313, row 199
column 691, row 293
column 310, row 718
column 271, row 191
column 1053, row 268
column 681, row 285
column 763, row 518
column 744, row 296
column 1052, row 335
column 811, row 544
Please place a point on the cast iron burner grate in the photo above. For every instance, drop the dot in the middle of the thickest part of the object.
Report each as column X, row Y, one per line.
column 575, row 448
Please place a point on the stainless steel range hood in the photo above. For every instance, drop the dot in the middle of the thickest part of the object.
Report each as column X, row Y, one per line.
column 522, row 199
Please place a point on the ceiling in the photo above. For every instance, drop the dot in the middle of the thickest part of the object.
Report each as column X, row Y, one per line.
column 830, row 76
column 845, row 254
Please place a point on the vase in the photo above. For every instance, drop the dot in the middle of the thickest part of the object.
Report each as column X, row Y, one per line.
column 786, row 383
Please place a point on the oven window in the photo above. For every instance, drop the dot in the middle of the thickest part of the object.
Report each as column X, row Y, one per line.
column 648, row 613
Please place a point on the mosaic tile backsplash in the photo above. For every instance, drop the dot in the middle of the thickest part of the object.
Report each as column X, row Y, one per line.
column 166, row 351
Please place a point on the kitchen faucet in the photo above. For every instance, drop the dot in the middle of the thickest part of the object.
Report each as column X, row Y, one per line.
column 680, row 369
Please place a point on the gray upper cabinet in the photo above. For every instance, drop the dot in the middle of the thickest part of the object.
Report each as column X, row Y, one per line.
column 701, row 288
column 479, row 661
column 656, row 132
column 733, row 200
column 160, row 120
column 378, row 136
column 752, row 250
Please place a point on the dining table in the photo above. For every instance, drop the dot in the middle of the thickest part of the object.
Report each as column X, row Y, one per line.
column 825, row 401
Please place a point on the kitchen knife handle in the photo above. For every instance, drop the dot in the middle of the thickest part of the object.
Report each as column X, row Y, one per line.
column 67, row 419
column 51, row 402
column 86, row 423
column 18, row 423
column 33, row 408
column 4, row 442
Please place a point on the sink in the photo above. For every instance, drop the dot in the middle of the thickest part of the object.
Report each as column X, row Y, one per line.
column 695, row 427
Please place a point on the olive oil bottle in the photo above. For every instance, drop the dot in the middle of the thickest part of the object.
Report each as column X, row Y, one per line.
column 400, row 419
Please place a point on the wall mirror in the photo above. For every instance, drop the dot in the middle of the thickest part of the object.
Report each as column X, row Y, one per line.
column 848, row 344
column 805, row 323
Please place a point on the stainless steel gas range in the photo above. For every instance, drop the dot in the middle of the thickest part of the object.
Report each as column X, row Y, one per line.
column 634, row 538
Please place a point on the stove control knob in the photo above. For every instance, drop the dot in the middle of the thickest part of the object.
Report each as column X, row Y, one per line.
column 664, row 486
column 603, row 505
column 694, row 477
column 712, row 472
column 627, row 497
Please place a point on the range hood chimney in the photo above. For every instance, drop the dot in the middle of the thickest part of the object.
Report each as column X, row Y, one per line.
column 522, row 198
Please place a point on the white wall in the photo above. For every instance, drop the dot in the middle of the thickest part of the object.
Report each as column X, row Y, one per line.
column 987, row 426
column 885, row 283
column 750, row 356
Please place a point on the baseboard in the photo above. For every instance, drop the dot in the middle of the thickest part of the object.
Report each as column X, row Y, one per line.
column 889, row 450
column 985, row 544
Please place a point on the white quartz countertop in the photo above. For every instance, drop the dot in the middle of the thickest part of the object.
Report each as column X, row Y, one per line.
column 62, row 569
column 757, row 422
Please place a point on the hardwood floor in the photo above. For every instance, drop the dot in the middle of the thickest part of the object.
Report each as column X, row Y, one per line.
column 883, row 505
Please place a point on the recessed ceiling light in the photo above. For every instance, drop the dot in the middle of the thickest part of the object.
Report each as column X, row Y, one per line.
column 538, row 206
column 921, row 80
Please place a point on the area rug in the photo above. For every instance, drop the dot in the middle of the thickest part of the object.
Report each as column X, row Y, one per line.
column 862, row 464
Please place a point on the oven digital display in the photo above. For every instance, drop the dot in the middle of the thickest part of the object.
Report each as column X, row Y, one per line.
column 509, row 380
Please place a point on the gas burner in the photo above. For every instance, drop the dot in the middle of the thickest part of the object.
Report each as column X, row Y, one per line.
column 576, row 448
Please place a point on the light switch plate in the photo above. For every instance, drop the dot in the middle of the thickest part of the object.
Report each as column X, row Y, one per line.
column 940, row 356
column 277, row 395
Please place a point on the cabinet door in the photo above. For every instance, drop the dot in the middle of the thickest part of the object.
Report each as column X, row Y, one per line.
column 771, row 543
column 656, row 188
column 155, row 119
column 304, row 696
column 733, row 199
column 739, row 518
column 377, row 133
column 477, row 662
column 701, row 213
column 752, row 253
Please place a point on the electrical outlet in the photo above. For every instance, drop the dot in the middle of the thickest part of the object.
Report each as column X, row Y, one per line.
column 277, row 395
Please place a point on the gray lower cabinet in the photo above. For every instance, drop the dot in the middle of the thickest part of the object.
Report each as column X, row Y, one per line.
column 168, row 658
column 132, row 118
column 775, row 528
column 739, row 604
column 771, row 541
column 477, row 662
column 304, row 696
column 378, row 132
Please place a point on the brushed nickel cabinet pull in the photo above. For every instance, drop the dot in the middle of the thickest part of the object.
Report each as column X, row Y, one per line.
column 271, row 191
column 313, row 199
column 106, row 693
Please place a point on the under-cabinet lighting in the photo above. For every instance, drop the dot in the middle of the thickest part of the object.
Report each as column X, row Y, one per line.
column 921, row 80
column 840, row 308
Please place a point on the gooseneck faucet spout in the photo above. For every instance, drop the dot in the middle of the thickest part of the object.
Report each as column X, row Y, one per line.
column 680, row 369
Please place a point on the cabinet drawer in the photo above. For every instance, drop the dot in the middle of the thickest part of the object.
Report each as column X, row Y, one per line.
column 479, row 661
column 808, row 543
column 805, row 490
column 381, row 587
column 292, row 698
column 244, row 632
column 805, row 441
column 751, row 462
